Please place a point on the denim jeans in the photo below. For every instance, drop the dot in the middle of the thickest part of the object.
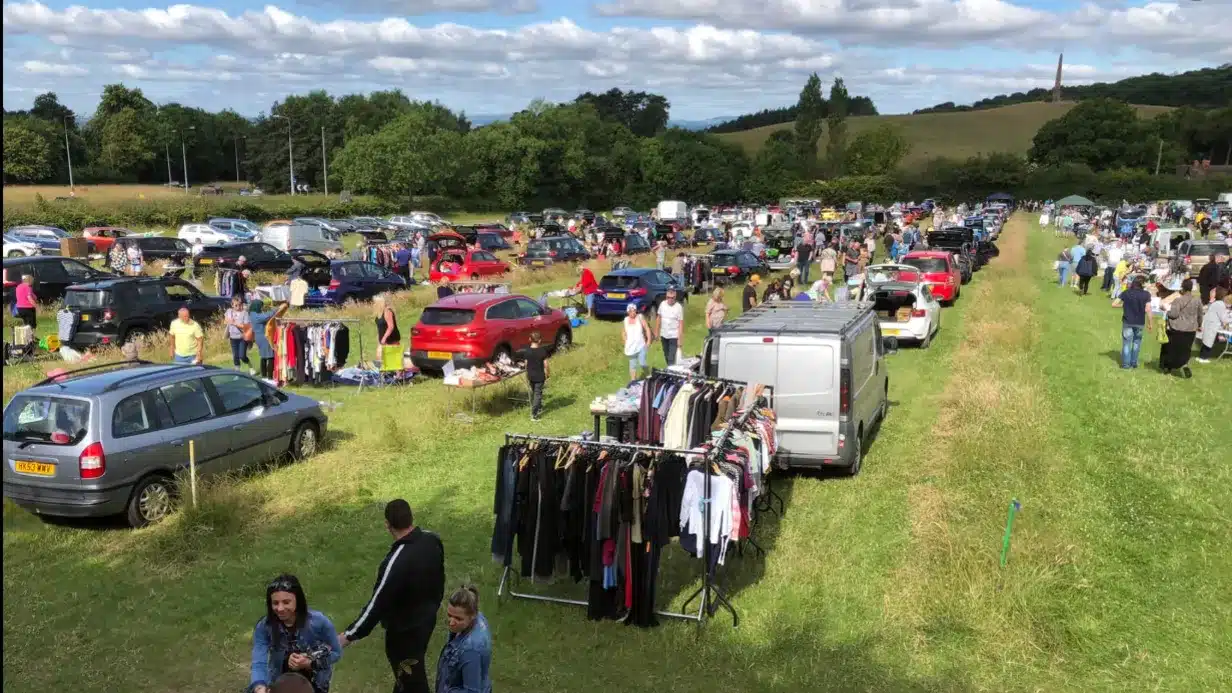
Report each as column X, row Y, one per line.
column 536, row 399
column 669, row 349
column 1131, row 344
column 239, row 352
column 1107, row 285
column 804, row 271
column 1064, row 273
column 679, row 279
column 190, row 359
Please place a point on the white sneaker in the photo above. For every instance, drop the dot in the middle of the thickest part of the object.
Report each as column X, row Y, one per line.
column 252, row 371
column 1204, row 361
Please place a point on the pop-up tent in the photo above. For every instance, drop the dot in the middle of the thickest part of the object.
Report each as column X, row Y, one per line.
column 1075, row 201
column 1000, row 197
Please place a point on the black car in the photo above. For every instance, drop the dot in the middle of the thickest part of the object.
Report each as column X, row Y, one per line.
column 706, row 235
column 157, row 247
column 585, row 215
column 52, row 276
column 957, row 240
column 553, row 229
column 468, row 233
column 552, row 249
column 112, row 310
column 736, row 265
column 259, row 257
column 492, row 242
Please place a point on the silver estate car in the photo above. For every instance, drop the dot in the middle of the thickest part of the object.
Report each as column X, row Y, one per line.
column 108, row 440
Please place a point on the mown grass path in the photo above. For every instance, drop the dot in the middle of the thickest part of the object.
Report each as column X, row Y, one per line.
column 885, row 582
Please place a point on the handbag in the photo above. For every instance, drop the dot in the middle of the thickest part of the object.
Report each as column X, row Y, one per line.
column 247, row 332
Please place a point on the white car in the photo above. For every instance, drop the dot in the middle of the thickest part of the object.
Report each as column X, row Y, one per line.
column 15, row 247
column 905, row 307
column 427, row 217
column 742, row 228
column 206, row 235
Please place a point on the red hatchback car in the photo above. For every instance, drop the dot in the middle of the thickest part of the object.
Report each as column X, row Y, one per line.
column 941, row 273
column 103, row 237
column 457, row 261
column 473, row 329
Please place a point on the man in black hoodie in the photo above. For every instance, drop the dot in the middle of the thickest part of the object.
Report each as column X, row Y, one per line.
column 410, row 584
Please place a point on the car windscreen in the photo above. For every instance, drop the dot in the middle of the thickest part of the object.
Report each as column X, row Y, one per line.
column 87, row 299
column 45, row 419
column 618, row 282
column 445, row 317
column 1208, row 248
column 927, row 264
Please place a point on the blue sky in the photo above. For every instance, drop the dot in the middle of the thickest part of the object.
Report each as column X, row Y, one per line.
column 711, row 58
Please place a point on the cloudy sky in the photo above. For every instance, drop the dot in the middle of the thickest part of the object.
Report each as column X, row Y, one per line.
column 709, row 57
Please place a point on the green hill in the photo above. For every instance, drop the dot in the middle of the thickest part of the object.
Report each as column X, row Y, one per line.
column 955, row 135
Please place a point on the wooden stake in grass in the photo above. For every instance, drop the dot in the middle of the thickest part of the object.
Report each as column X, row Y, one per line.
column 192, row 478
column 1009, row 526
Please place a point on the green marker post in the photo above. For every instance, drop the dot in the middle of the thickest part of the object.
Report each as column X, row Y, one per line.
column 1009, row 526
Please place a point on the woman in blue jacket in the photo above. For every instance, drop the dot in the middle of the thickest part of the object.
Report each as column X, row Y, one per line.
column 292, row 637
column 465, row 661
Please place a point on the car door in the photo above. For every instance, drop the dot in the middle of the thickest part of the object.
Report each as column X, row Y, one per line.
column 367, row 279
column 180, row 293
column 152, row 304
column 501, row 319
column 240, row 405
column 141, row 441
column 50, row 280
column 384, row 279
column 530, row 318
column 188, row 415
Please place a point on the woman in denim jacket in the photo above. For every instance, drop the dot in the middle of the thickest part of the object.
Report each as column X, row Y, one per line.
column 465, row 661
column 292, row 637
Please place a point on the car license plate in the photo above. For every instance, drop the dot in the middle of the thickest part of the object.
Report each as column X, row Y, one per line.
column 538, row 263
column 444, row 355
column 891, row 332
column 616, row 296
column 85, row 317
column 205, row 261
column 39, row 468
column 719, row 270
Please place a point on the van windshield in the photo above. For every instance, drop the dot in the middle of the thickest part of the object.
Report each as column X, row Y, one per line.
column 42, row 419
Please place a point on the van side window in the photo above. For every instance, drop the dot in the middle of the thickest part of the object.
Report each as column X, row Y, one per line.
column 133, row 415
column 862, row 357
column 186, row 401
column 237, row 393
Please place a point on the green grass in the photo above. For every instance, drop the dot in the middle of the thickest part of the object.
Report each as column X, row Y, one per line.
column 1117, row 580
column 953, row 135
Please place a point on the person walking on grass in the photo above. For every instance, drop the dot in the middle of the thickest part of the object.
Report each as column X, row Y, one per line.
column 1184, row 318
column 716, row 310
column 1086, row 269
column 465, row 661
column 239, row 333
column 187, row 339
column 134, row 260
column 25, row 303
column 637, row 337
column 1135, row 317
column 669, row 326
column 748, row 298
column 661, row 255
column 537, row 372
column 292, row 639
column 410, row 585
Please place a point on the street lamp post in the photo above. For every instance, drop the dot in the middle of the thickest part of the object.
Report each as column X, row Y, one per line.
column 324, row 160
column 236, row 141
column 68, row 153
column 184, row 155
column 290, row 154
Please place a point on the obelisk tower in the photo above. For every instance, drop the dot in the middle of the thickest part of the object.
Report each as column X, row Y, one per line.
column 1056, row 88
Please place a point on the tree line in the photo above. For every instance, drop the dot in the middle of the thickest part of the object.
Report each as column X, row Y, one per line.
column 856, row 106
column 1206, row 88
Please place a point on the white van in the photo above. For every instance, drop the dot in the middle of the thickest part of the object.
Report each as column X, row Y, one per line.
column 1225, row 197
column 285, row 236
column 825, row 362
column 672, row 210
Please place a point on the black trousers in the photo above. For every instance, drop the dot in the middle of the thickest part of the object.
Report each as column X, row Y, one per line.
column 267, row 367
column 406, row 657
column 536, row 399
column 1179, row 348
column 26, row 315
column 1084, row 284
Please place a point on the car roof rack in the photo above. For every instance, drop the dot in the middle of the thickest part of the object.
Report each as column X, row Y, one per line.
column 89, row 370
column 170, row 368
column 794, row 317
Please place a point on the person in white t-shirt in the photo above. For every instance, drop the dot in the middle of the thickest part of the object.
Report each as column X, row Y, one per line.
column 669, row 326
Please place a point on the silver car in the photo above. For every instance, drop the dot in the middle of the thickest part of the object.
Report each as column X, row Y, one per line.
column 108, row 440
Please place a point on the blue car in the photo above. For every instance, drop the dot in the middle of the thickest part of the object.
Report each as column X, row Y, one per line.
column 643, row 287
column 47, row 238
column 347, row 280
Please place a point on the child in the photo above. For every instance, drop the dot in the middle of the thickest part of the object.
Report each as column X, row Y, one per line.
column 537, row 372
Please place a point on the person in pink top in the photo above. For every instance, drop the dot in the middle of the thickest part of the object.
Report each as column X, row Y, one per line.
column 26, row 302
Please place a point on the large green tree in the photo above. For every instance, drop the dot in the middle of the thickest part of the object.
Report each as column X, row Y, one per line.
column 27, row 157
column 836, row 124
column 810, row 119
column 411, row 156
column 1099, row 133
column 878, row 150
column 775, row 169
column 643, row 113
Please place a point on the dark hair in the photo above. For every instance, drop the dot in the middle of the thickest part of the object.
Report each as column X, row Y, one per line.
column 1137, row 282
column 292, row 682
column 465, row 597
column 285, row 583
column 1187, row 286
column 1220, row 293
column 398, row 514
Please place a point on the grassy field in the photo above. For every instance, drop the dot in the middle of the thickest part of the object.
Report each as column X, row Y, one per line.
column 952, row 135
column 110, row 195
column 1118, row 578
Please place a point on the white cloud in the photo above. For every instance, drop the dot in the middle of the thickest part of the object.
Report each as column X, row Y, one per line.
column 748, row 55
column 417, row 7
column 38, row 67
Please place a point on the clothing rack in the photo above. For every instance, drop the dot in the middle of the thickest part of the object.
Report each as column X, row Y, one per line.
column 508, row 285
column 707, row 576
column 321, row 321
column 710, row 380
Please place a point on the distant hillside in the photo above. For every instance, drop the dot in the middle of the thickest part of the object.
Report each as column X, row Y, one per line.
column 857, row 106
column 1206, row 88
column 956, row 135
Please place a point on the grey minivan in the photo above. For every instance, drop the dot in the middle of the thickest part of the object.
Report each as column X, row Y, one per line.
column 107, row 440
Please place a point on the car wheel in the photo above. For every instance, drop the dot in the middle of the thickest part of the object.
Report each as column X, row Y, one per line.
column 858, row 458
column 563, row 341
column 928, row 340
column 132, row 333
column 152, row 500
column 305, row 440
column 502, row 350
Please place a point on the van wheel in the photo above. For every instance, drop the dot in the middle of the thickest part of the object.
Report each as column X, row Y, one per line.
column 152, row 500
column 305, row 440
column 858, row 458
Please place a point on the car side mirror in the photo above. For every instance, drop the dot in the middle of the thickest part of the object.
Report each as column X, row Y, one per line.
column 889, row 345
